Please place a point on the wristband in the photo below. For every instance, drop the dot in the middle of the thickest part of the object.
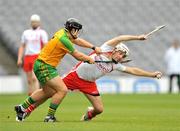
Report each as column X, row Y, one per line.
column 93, row 48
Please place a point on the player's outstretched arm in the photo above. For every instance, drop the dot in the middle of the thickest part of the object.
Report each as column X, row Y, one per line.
column 82, row 57
column 83, row 43
column 113, row 42
column 140, row 72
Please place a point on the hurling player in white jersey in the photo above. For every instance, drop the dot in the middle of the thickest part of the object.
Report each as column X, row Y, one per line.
column 83, row 76
column 32, row 41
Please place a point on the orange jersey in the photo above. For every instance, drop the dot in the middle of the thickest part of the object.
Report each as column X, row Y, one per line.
column 56, row 48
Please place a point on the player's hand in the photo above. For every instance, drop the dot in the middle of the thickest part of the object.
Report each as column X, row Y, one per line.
column 142, row 37
column 90, row 61
column 157, row 74
column 98, row 50
column 19, row 63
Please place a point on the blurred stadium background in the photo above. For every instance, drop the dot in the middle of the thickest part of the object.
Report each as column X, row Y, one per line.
column 102, row 20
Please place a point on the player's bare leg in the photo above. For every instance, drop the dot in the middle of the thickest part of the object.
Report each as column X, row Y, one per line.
column 54, row 88
column 32, row 82
column 35, row 81
column 61, row 90
column 95, row 110
column 51, row 92
column 39, row 94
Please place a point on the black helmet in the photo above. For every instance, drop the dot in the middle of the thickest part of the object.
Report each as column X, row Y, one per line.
column 73, row 23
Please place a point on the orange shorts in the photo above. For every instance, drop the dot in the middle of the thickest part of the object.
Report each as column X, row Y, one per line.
column 73, row 82
column 29, row 62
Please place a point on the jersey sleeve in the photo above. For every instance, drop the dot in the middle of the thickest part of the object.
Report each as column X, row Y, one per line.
column 44, row 36
column 106, row 48
column 23, row 38
column 119, row 67
column 67, row 43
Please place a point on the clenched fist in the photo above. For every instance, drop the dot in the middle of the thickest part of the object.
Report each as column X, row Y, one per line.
column 142, row 37
column 158, row 74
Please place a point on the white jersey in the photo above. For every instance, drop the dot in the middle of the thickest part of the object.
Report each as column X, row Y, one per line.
column 92, row 72
column 172, row 59
column 33, row 39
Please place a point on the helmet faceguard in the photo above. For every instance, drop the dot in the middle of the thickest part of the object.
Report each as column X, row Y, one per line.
column 122, row 47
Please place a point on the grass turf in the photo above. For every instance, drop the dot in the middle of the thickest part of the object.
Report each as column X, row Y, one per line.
column 135, row 112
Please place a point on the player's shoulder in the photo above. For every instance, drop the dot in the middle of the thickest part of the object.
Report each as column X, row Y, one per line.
column 170, row 50
column 60, row 33
column 106, row 48
column 42, row 30
column 27, row 31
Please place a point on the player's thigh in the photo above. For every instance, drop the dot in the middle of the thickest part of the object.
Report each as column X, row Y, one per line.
column 95, row 101
column 57, row 84
column 43, row 93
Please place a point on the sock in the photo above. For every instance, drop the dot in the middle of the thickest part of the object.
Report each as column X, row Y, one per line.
column 29, row 101
column 29, row 94
column 88, row 115
column 52, row 109
column 30, row 108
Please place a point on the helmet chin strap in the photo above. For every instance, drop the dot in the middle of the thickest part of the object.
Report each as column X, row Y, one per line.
column 72, row 35
column 114, row 61
column 112, row 58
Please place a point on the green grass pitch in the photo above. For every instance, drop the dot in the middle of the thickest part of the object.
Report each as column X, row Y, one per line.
column 134, row 112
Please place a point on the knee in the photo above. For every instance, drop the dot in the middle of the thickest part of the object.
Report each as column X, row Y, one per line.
column 63, row 91
column 34, row 79
column 29, row 80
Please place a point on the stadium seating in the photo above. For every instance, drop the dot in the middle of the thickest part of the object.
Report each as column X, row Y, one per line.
column 102, row 20
column 7, row 63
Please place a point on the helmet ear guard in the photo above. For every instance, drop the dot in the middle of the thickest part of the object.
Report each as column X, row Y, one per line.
column 73, row 23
